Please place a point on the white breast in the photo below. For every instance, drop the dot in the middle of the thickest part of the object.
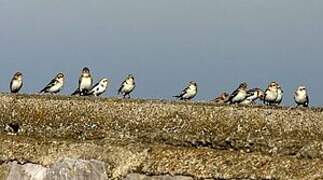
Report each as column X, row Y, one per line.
column 190, row 92
column 301, row 98
column 240, row 96
column 86, row 84
column 57, row 87
column 271, row 95
column 16, row 84
column 128, row 87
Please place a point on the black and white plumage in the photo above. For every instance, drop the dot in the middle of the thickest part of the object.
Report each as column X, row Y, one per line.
column 301, row 97
column 253, row 95
column 280, row 95
column 240, row 94
column 189, row 92
column 271, row 94
column 55, row 85
column 127, row 86
column 85, row 82
column 16, row 82
column 99, row 88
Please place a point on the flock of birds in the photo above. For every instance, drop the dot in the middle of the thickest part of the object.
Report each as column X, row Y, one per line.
column 273, row 95
column 85, row 86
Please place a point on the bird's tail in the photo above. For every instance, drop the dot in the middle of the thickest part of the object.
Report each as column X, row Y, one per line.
column 77, row 91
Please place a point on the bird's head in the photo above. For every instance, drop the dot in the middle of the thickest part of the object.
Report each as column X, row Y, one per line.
column 243, row 85
column 86, row 71
column 18, row 76
column 301, row 88
column 60, row 77
column 104, row 82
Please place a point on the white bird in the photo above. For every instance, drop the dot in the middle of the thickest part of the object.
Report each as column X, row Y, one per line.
column 301, row 97
column 55, row 85
column 16, row 82
column 127, row 86
column 99, row 88
column 271, row 94
column 240, row 94
column 85, row 82
column 189, row 92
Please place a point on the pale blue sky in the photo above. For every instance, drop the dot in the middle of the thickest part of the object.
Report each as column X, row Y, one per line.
column 165, row 43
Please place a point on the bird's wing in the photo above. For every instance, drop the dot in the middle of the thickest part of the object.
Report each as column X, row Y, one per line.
column 184, row 91
column 49, row 85
column 235, row 93
column 265, row 95
column 121, row 87
column 80, row 81
column 77, row 91
column 11, row 84
column 251, row 92
column 307, row 101
column 93, row 89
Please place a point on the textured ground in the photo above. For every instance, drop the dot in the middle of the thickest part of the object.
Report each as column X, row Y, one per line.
column 140, row 139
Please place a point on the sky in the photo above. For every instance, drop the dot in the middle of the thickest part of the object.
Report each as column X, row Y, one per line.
column 165, row 44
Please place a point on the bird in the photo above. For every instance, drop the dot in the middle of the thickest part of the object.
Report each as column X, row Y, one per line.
column 189, row 92
column 55, row 85
column 127, row 86
column 280, row 94
column 16, row 82
column 254, row 94
column 271, row 93
column 99, row 88
column 85, row 82
column 240, row 94
column 222, row 99
column 301, row 97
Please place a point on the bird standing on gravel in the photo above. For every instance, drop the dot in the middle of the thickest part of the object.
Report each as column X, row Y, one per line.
column 55, row 85
column 16, row 82
column 85, row 82
column 301, row 97
column 127, row 86
column 99, row 88
column 240, row 94
column 189, row 92
column 271, row 94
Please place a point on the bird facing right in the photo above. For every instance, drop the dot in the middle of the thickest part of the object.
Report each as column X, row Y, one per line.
column 189, row 92
column 55, row 85
column 240, row 94
column 127, row 86
column 301, row 97
column 16, row 82
column 99, row 88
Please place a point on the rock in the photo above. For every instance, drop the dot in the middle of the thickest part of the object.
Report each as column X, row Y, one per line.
column 67, row 169
column 26, row 172
column 71, row 169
